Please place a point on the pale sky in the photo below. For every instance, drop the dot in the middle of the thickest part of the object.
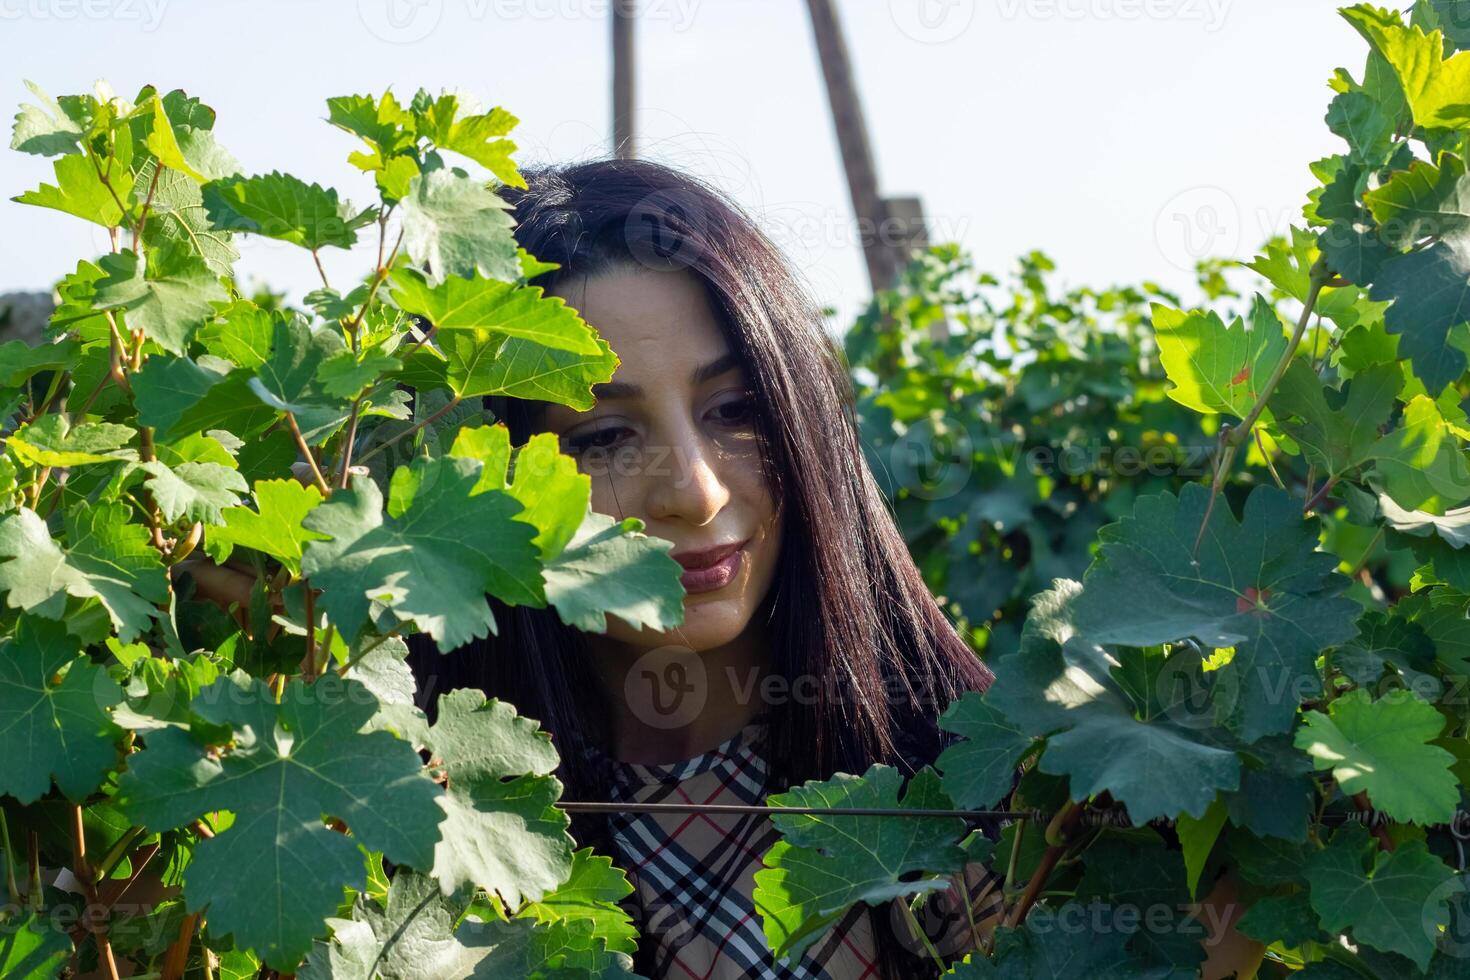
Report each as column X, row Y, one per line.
column 1124, row 137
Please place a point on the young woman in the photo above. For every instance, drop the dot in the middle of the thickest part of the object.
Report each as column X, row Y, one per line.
column 810, row 644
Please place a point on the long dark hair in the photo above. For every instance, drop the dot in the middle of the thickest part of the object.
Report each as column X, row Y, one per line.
column 848, row 608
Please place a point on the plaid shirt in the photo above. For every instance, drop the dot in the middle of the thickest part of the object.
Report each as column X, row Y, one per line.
column 693, row 878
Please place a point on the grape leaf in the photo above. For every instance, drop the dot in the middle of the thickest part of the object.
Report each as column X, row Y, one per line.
column 1396, row 906
column 241, row 333
column 1259, row 585
column 1053, row 944
column 1336, row 430
column 283, row 207
column 20, row 360
column 168, row 298
column 78, row 191
column 477, row 136
column 1421, row 464
column 273, row 527
column 553, row 492
column 51, row 440
column 1384, row 747
column 456, row 226
column 1215, row 368
column 1430, row 290
column 412, row 937
column 53, row 725
column 176, row 214
column 978, row 771
column 824, row 864
column 1425, row 201
column 51, row 128
column 431, row 560
column 502, row 307
column 286, row 766
column 104, row 556
column 479, row 365
column 610, row 567
column 590, row 893
column 1287, row 918
column 33, row 948
column 1453, row 526
column 1434, row 86
column 196, row 491
column 177, row 397
column 502, row 831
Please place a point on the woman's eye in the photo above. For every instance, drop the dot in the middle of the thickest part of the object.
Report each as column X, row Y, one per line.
column 738, row 412
column 602, row 439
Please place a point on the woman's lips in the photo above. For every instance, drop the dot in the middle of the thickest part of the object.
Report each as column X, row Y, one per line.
column 715, row 576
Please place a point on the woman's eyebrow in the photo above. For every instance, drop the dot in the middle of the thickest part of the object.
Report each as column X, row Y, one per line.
column 701, row 374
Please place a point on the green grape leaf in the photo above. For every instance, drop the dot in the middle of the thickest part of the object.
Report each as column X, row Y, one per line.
column 1367, row 127
column 286, row 208
column 197, row 491
column 104, row 556
column 1259, row 585
column 502, row 830
column 185, row 145
column 241, row 333
column 1420, row 464
column 33, row 948
column 590, row 893
column 287, row 380
column 978, row 771
column 178, row 397
column 1433, row 86
column 490, row 444
column 20, row 360
column 1396, row 906
column 344, row 375
column 381, row 123
column 610, row 567
column 52, row 441
column 454, row 225
column 1453, row 526
column 439, row 550
column 824, row 864
column 1425, row 201
column 53, row 714
column 51, row 128
column 1336, row 430
column 1430, row 290
column 168, row 299
column 412, row 937
column 553, row 492
column 176, row 214
column 1052, row 945
column 78, row 191
column 501, row 307
column 1385, row 748
column 524, row 369
column 1215, row 368
column 477, row 136
column 1287, row 919
column 287, row 766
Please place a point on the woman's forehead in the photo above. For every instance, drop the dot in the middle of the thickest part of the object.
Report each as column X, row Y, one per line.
column 660, row 324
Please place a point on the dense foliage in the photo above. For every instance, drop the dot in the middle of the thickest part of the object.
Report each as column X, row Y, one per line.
column 1262, row 673
column 224, row 792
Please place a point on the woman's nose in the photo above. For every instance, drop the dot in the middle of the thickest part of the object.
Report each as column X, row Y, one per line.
column 689, row 486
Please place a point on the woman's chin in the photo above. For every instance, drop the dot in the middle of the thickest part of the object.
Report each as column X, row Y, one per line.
column 708, row 623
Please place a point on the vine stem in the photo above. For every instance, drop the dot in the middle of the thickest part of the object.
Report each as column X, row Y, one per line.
column 1320, row 495
column 453, row 403
column 1058, row 833
column 316, row 471
column 84, row 874
column 1232, row 439
column 177, row 956
column 923, row 936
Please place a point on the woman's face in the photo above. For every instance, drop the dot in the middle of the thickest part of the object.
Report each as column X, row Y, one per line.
column 672, row 440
